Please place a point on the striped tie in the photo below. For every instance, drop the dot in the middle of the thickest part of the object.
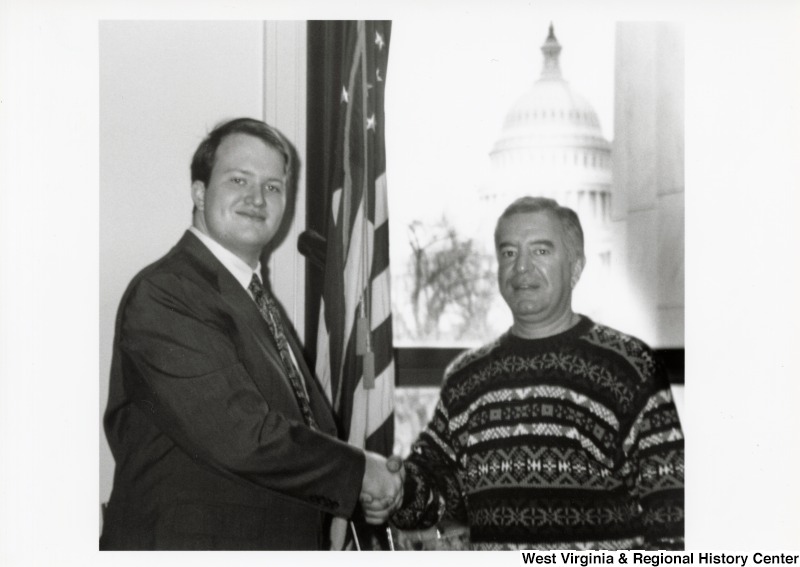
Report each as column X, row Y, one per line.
column 269, row 310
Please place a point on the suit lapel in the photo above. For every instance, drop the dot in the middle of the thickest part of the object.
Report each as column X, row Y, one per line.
column 245, row 312
column 237, row 300
column 320, row 406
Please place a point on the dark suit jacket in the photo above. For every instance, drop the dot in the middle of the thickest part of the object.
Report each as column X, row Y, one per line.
column 210, row 447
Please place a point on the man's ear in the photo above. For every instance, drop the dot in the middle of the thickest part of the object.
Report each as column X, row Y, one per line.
column 577, row 270
column 199, row 195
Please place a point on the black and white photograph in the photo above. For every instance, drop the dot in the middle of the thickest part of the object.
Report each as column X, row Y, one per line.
column 442, row 278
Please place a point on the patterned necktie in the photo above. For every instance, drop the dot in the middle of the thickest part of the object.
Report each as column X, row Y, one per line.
column 269, row 311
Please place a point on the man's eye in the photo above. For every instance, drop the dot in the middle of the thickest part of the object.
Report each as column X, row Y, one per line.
column 507, row 253
column 541, row 251
column 239, row 180
column 274, row 188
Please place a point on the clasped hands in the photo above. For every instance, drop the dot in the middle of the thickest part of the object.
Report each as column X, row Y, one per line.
column 382, row 487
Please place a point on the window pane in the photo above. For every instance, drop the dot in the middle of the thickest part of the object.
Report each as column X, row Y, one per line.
column 451, row 88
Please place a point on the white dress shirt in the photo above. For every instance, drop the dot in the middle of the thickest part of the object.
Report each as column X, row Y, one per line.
column 238, row 268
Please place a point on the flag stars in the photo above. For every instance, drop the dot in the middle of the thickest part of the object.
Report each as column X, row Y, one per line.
column 379, row 41
column 371, row 122
column 378, row 74
column 345, row 96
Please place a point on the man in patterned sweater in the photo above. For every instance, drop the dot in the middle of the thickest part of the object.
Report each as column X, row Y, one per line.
column 560, row 434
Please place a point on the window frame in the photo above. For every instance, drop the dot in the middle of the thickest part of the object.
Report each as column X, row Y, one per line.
column 414, row 366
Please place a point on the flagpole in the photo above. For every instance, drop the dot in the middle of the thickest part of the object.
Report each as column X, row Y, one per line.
column 355, row 535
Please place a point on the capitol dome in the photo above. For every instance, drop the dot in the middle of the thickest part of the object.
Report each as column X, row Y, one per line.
column 551, row 144
column 550, row 114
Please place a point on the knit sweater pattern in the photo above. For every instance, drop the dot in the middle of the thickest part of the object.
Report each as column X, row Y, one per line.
column 568, row 442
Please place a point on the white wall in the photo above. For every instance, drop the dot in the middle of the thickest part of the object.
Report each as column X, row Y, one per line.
column 163, row 86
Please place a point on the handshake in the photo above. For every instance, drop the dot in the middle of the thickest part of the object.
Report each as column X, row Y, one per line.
column 382, row 487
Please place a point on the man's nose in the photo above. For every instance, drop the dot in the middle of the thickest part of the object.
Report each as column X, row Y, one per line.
column 522, row 262
column 256, row 195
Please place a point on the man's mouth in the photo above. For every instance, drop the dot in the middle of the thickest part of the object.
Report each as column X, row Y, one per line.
column 253, row 215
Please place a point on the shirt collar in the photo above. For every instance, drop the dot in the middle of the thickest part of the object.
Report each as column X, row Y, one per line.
column 238, row 268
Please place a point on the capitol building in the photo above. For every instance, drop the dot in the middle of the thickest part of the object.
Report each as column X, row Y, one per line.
column 551, row 145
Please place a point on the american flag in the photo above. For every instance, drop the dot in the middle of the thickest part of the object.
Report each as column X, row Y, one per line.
column 354, row 341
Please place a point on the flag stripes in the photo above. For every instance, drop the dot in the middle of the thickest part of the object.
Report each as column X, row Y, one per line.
column 357, row 258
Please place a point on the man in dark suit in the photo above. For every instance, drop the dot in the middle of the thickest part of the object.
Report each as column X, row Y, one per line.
column 222, row 439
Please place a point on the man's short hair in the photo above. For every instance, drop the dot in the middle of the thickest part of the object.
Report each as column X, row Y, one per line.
column 206, row 153
column 567, row 217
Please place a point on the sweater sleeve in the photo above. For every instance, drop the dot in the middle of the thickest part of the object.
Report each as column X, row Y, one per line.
column 432, row 491
column 655, row 448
